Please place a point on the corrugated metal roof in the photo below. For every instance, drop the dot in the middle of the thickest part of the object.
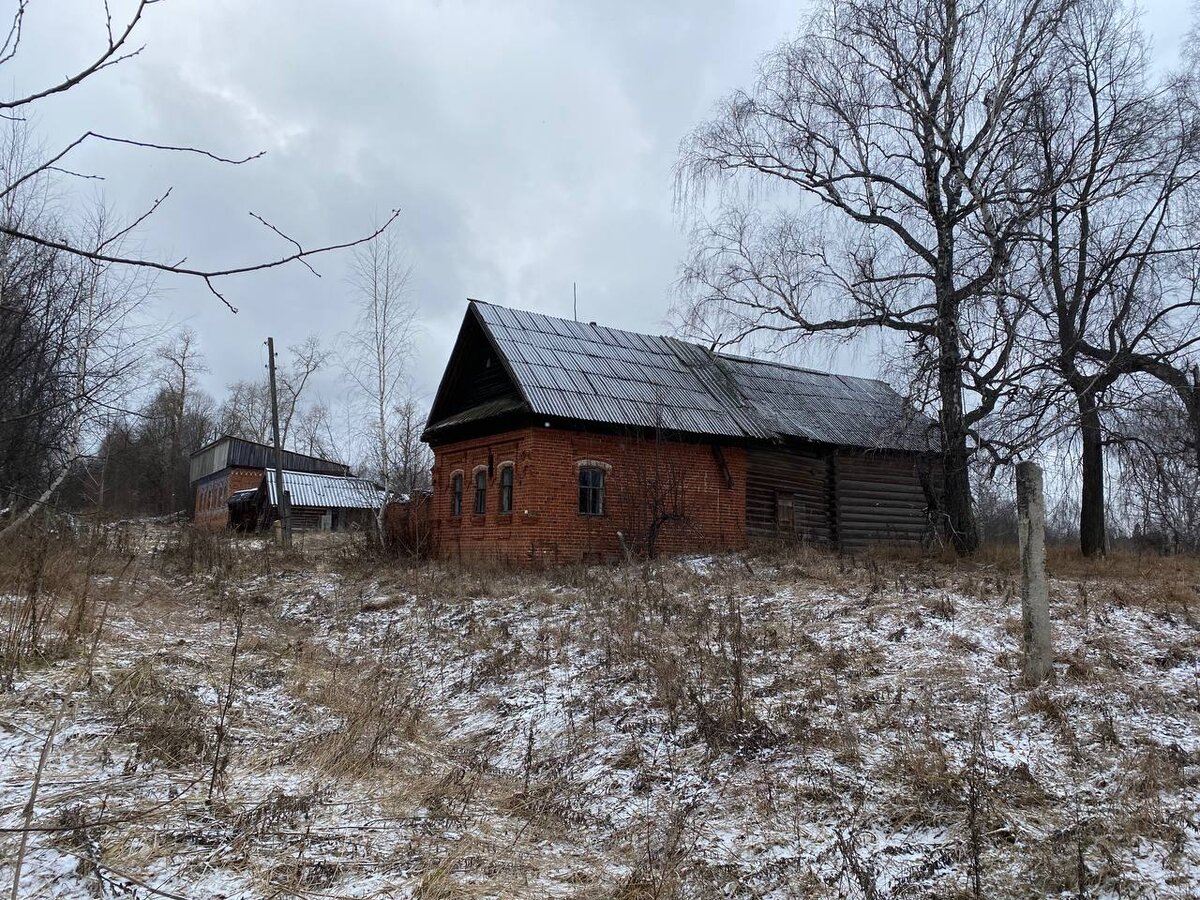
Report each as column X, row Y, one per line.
column 605, row 375
column 484, row 410
column 581, row 371
column 325, row 491
column 827, row 408
column 229, row 451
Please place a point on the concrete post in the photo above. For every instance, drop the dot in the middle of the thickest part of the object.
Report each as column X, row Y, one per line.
column 1035, row 597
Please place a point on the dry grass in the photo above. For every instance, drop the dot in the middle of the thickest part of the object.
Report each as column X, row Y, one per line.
column 782, row 723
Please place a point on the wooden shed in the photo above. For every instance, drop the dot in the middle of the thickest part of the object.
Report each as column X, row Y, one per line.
column 320, row 502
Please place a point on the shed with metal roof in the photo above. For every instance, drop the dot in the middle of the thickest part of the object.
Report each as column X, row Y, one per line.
column 320, row 502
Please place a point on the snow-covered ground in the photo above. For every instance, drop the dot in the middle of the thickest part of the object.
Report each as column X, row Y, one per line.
column 796, row 726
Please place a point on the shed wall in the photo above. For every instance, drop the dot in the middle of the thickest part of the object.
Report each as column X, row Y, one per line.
column 775, row 477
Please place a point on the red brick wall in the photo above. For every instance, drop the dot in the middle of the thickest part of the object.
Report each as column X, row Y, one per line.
column 546, row 526
column 210, row 496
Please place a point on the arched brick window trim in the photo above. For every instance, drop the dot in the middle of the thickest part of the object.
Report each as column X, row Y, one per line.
column 456, row 492
column 591, row 475
column 593, row 464
column 479, row 507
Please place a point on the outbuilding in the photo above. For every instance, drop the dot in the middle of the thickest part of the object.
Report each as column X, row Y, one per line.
column 320, row 502
column 230, row 465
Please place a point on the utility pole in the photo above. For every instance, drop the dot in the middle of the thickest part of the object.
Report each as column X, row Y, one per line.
column 283, row 502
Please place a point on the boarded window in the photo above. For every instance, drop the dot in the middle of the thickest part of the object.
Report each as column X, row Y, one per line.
column 481, row 492
column 456, row 488
column 785, row 512
column 790, row 514
column 591, row 491
column 506, row 489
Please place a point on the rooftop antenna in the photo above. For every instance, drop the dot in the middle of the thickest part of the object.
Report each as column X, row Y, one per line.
column 575, row 300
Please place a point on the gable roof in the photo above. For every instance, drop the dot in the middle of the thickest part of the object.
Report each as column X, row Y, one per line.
column 328, row 491
column 558, row 368
column 227, row 451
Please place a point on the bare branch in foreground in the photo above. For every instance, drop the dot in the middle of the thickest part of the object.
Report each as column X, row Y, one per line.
column 206, row 275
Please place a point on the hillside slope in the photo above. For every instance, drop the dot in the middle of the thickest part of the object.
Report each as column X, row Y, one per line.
column 782, row 726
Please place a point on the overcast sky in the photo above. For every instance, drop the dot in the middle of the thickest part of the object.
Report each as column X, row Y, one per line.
column 529, row 145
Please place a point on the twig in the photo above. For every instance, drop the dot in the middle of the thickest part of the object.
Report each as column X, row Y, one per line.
column 110, row 57
column 206, row 275
column 33, row 792
column 237, row 640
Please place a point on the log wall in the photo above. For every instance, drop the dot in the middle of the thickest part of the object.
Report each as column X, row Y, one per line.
column 799, row 476
column 878, row 497
column 840, row 497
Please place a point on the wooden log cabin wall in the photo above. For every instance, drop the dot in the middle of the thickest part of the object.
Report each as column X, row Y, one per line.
column 831, row 496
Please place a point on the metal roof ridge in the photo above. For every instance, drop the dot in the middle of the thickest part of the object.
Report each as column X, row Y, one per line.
column 596, row 325
column 271, row 447
column 319, row 474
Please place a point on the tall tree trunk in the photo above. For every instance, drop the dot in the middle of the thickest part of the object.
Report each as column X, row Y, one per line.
column 1093, row 540
column 955, row 454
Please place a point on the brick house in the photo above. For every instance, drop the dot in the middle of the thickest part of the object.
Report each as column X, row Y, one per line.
column 230, row 465
column 559, row 441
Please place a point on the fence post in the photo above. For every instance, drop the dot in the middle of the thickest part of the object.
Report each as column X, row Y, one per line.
column 1035, row 597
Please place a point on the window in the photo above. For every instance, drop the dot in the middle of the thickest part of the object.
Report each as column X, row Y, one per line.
column 506, row 489
column 591, row 490
column 456, row 494
column 480, row 491
column 785, row 512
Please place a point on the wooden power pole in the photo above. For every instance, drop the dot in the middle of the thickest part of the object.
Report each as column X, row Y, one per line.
column 283, row 504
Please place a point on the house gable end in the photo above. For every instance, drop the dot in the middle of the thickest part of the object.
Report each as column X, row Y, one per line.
column 477, row 383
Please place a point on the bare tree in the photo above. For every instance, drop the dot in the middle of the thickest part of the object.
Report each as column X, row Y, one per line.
column 376, row 351
column 70, row 353
column 413, row 460
column 890, row 137
column 182, row 361
column 1159, row 488
column 307, row 359
column 313, row 433
column 1120, row 154
column 246, row 411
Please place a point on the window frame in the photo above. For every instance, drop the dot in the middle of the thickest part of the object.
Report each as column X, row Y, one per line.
column 456, row 494
column 591, row 498
column 505, row 502
column 480, row 479
column 785, row 511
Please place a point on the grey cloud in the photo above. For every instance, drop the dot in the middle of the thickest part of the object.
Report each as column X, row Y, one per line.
column 529, row 145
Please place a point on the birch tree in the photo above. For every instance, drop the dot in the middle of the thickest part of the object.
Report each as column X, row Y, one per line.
column 376, row 351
